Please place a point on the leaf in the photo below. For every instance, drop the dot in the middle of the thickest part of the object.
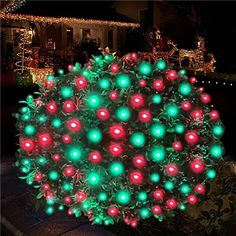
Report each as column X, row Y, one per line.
column 39, row 195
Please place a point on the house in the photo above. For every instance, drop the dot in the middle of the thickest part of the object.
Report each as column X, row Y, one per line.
column 64, row 31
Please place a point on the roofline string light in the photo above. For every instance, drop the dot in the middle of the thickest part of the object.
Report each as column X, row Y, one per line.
column 69, row 20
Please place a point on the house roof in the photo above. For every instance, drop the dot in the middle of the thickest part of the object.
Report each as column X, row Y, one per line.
column 89, row 12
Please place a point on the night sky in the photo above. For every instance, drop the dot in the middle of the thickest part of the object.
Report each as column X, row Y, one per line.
column 218, row 21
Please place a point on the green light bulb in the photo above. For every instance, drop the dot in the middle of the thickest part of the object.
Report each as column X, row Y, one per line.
column 42, row 160
column 179, row 128
column 42, row 118
column 157, row 99
column 26, row 117
column 138, row 139
column 185, row 189
column 123, row 113
column 157, row 153
column 172, row 110
column 104, row 83
column 155, row 177
column 66, row 92
column 216, row 151
column 25, row 169
column 182, row 207
column 218, row 130
column 60, row 71
column 185, row 88
column 61, row 208
column 145, row 68
column 94, row 101
column 116, row 168
column 50, row 77
column 50, row 201
column 157, row 130
column 25, row 162
column 169, row 185
column 66, row 186
column 142, row 196
column 211, row 174
column 94, row 179
column 24, row 109
column 53, row 175
column 123, row 197
column 74, row 153
column 183, row 72
column 123, row 81
column 102, row 196
column 30, row 130
column 161, row 64
column 56, row 123
column 49, row 210
column 97, row 220
column 94, row 135
column 86, row 205
column 144, row 213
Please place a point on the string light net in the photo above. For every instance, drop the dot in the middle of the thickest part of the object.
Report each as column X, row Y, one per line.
column 119, row 140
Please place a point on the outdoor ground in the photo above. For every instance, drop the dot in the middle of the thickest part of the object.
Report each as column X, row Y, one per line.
column 19, row 215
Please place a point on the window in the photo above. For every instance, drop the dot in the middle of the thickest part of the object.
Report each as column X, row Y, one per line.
column 110, row 39
column 69, row 34
column 86, row 33
column 143, row 16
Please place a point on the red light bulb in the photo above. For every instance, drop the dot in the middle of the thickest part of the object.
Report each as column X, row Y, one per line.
column 44, row 140
column 113, row 95
column 205, row 98
column 95, row 157
column 56, row 157
column 191, row 137
column 117, row 131
column 158, row 194
column 136, row 177
column 200, row 189
column 133, row 223
column 139, row 161
column 172, row 75
column 142, row 83
column 66, row 138
column 103, row 114
column 112, row 211
column 46, row 187
column 116, row 149
column 68, row 106
column 49, row 196
column 67, row 200
column 69, row 171
column 156, row 210
column 158, row 84
column 52, row 107
column 74, row 125
column 145, row 116
column 70, row 68
column 49, row 84
column 115, row 68
column 80, row 196
column 192, row 199
column 177, row 146
column 186, row 105
column 38, row 177
column 134, row 56
column 81, row 82
column 171, row 203
column 70, row 211
column 172, row 169
column 193, row 80
column 136, row 101
column 27, row 145
column 197, row 166
column 38, row 102
column 214, row 115
column 196, row 114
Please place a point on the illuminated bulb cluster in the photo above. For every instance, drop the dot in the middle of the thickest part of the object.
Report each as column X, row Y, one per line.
column 131, row 138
